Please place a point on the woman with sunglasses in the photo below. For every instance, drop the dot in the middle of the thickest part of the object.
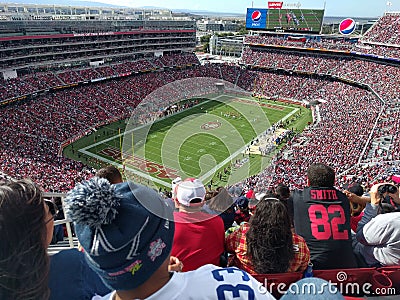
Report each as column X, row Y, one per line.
column 266, row 244
column 26, row 231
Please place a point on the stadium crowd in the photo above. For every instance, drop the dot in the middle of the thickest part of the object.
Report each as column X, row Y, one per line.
column 72, row 112
column 31, row 83
column 197, row 233
column 381, row 40
column 281, row 235
column 274, row 85
column 377, row 164
column 34, row 129
column 385, row 31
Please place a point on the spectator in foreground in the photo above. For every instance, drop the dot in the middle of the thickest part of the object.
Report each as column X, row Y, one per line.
column 356, row 208
column 26, row 230
column 266, row 244
column 378, row 232
column 199, row 237
column 242, row 214
column 128, row 241
column 111, row 173
column 322, row 218
column 283, row 194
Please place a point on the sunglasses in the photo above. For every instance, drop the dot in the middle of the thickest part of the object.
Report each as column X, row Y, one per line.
column 52, row 207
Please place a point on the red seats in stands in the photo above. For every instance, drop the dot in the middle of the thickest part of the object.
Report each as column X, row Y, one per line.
column 350, row 282
column 394, row 274
column 344, row 279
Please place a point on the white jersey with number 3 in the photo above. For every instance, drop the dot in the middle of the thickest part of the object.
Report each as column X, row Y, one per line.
column 208, row 282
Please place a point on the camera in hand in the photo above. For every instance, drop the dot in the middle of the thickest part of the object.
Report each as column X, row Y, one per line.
column 387, row 188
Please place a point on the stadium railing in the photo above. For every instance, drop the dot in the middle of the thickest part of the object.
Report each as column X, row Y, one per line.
column 71, row 243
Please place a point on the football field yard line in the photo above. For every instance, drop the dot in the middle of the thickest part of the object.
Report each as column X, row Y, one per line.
column 305, row 19
column 193, row 145
column 170, row 149
column 218, row 166
column 230, row 140
column 85, row 151
column 116, row 164
column 143, row 125
column 230, row 143
column 214, row 169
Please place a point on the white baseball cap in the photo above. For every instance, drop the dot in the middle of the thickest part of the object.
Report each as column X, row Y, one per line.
column 190, row 189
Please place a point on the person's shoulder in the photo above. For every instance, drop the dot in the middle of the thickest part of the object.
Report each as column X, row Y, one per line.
column 390, row 218
column 70, row 277
column 299, row 192
column 73, row 252
column 297, row 195
column 218, row 221
column 339, row 192
column 297, row 239
column 208, row 218
column 69, row 257
column 179, row 215
column 226, row 280
column 109, row 296
column 206, row 209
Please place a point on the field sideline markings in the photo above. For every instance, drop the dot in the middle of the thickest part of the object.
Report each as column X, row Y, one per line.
column 161, row 182
column 220, row 165
column 141, row 126
column 258, row 102
column 294, row 110
column 85, row 151
column 134, row 171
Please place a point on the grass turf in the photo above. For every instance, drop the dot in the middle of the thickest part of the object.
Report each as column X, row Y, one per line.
column 197, row 142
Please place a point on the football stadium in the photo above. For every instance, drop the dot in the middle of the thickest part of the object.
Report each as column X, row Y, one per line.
column 129, row 164
column 226, row 126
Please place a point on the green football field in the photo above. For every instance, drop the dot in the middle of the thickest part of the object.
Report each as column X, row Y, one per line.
column 203, row 141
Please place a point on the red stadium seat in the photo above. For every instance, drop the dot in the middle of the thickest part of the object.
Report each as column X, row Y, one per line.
column 352, row 283
column 394, row 275
column 344, row 279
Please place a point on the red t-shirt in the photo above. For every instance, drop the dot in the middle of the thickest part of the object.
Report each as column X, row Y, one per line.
column 354, row 221
column 198, row 240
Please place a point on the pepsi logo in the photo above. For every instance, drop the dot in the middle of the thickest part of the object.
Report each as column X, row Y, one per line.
column 256, row 16
column 347, row 26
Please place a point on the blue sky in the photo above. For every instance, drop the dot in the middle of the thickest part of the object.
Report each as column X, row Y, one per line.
column 345, row 8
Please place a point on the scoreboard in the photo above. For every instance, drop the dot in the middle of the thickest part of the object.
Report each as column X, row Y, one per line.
column 285, row 19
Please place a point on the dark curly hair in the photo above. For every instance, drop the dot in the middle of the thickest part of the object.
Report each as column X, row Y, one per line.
column 269, row 239
column 24, row 263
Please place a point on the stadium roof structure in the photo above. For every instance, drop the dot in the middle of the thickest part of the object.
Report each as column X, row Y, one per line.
column 12, row 11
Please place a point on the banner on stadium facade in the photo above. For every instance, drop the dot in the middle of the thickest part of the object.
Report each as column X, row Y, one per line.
column 275, row 5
